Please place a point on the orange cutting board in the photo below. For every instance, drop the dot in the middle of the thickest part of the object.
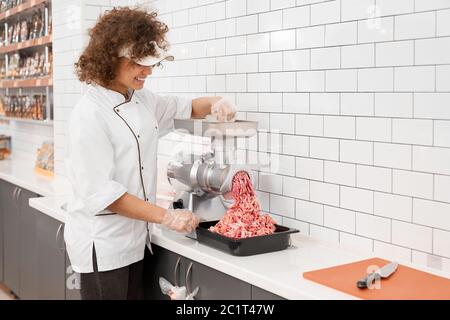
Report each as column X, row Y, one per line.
column 404, row 284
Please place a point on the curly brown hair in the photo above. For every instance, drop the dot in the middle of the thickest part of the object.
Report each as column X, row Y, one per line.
column 114, row 30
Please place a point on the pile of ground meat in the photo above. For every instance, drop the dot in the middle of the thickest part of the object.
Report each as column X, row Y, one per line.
column 242, row 219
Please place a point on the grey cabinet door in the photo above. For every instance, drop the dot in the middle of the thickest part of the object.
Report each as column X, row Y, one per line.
column 51, row 259
column 1, row 229
column 72, row 284
column 28, row 254
column 213, row 284
column 261, row 294
column 163, row 263
column 11, row 237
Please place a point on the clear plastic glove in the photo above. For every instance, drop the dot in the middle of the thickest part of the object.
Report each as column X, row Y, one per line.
column 180, row 220
column 175, row 292
column 223, row 110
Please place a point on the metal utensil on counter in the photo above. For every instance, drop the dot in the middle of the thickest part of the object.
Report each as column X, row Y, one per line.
column 384, row 272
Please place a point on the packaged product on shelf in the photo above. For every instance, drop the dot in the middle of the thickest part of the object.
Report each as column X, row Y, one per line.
column 22, row 66
column 25, row 106
column 41, row 68
column 45, row 159
column 41, row 29
column 24, row 30
column 5, row 146
column 3, row 5
column 37, row 25
column 16, row 35
column 49, row 24
column 2, row 36
column 34, row 25
column 8, row 106
column 12, row 107
column 26, row 71
column 30, row 67
column 9, row 4
column 2, row 106
column 48, row 64
column 10, row 33
column 21, row 107
column 21, row 69
column 35, row 68
column 13, row 3
column 39, row 107
column 27, row 111
column 2, row 69
column 13, row 69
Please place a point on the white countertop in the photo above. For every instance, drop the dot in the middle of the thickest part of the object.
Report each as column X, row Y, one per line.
column 21, row 173
column 277, row 272
column 51, row 206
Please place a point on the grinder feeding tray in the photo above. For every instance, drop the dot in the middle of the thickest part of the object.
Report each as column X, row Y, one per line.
column 279, row 240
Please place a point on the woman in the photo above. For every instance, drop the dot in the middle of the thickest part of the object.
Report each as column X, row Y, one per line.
column 112, row 149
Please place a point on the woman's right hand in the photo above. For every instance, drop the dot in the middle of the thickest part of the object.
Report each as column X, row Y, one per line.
column 180, row 220
column 224, row 110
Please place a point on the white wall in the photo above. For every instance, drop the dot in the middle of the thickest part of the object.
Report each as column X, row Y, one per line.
column 360, row 108
column 68, row 36
column 71, row 22
column 353, row 112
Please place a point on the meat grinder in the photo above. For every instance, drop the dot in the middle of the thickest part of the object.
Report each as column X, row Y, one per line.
column 203, row 182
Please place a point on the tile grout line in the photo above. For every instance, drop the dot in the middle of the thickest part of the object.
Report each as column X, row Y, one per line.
column 432, row 240
column 345, row 44
column 436, row 23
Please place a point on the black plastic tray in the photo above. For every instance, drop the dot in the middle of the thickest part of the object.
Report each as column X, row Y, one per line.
column 247, row 246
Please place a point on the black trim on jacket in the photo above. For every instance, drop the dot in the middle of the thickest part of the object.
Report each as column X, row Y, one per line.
column 137, row 141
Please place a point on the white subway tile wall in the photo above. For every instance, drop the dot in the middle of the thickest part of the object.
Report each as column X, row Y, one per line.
column 355, row 92
column 390, row 251
column 70, row 27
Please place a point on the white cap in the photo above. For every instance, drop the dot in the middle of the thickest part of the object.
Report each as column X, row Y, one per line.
column 149, row 60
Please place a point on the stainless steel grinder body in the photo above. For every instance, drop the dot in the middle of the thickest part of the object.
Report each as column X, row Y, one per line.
column 203, row 183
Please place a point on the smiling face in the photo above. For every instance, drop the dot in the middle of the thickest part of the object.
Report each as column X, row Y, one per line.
column 130, row 75
column 100, row 61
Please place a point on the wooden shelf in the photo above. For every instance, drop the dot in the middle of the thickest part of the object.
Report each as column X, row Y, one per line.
column 43, row 81
column 41, row 122
column 27, row 83
column 26, row 44
column 21, row 8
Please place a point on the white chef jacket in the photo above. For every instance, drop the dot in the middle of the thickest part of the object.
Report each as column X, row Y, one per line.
column 112, row 149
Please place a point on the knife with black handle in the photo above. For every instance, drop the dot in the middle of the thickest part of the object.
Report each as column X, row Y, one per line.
column 368, row 281
column 383, row 272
